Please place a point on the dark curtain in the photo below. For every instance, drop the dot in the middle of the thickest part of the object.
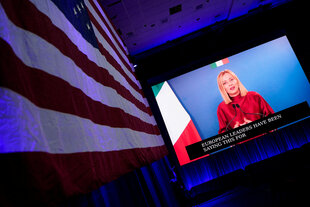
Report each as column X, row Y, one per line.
column 245, row 154
column 165, row 184
column 152, row 185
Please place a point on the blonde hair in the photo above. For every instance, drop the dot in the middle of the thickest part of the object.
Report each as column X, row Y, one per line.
column 242, row 89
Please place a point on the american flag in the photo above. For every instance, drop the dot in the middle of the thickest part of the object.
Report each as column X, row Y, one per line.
column 72, row 111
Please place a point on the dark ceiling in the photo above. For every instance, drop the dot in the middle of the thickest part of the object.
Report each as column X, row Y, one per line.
column 145, row 24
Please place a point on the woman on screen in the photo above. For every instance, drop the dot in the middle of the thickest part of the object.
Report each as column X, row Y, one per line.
column 239, row 106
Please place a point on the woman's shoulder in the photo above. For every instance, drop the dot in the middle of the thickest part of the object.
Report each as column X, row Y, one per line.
column 253, row 94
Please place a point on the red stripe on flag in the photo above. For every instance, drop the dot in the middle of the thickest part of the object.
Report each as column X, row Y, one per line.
column 112, row 33
column 109, row 57
column 51, row 92
column 189, row 136
column 59, row 39
column 225, row 61
column 106, row 24
column 102, row 18
column 47, row 179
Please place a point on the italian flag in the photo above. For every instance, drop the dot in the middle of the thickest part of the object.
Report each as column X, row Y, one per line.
column 181, row 128
column 220, row 63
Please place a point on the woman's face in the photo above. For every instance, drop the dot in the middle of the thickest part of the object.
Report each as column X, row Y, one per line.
column 230, row 85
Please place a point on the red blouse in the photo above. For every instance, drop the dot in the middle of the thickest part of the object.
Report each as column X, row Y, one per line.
column 251, row 103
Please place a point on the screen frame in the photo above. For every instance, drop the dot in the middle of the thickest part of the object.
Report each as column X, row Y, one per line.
column 202, row 63
column 278, row 27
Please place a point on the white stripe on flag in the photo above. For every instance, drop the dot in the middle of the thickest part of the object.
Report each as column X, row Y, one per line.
column 20, row 41
column 26, row 127
column 104, row 42
column 174, row 115
column 219, row 63
column 114, row 32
